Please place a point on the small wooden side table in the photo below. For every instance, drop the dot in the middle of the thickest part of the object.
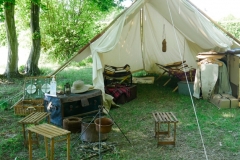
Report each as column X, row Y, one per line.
column 165, row 137
column 33, row 118
column 51, row 132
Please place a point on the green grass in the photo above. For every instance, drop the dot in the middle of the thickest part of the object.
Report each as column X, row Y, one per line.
column 219, row 127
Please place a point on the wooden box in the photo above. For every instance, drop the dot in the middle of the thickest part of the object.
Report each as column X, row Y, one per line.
column 234, row 76
column 224, row 101
column 62, row 106
column 33, row 93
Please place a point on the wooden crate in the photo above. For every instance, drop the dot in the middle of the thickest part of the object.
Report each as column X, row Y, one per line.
column 25, row 107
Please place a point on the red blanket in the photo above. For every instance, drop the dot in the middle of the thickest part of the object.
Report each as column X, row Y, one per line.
column 117, row 91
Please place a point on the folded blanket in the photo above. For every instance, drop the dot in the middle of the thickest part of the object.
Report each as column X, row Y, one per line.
column 116, row 92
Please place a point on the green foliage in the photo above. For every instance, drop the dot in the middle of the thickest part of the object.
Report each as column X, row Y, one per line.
column 232, row 27
column 231, row 24
column 89, row 59
column 45, row 71
column 4, row 4
column 21, row 69
column 3, row 105
column 36, row 1
column 68, row 25
column 104, row 5
column 1, row 13
column 85, row 62
column 3, row 36
column 36, row 35
column 22, row 10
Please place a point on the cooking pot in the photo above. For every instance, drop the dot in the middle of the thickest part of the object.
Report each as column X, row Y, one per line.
column 88, row 131
column 103, row 125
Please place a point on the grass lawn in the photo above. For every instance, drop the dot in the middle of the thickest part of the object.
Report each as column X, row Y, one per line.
column 219, row 127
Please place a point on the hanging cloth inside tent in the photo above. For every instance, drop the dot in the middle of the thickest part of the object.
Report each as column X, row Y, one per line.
column 164, row 42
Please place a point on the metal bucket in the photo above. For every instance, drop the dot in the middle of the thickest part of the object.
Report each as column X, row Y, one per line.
column 103, row 125
column 88, row 131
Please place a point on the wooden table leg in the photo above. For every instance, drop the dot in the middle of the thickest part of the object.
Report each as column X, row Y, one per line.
column 174, row 138
column 46, row 147
column 30, row 144
column 24, row 134
column 52, row 149
column 158, row 132
column 48, row 119
column 37, row 140
column 155, row 129
column 168, row 129
column 68, row 147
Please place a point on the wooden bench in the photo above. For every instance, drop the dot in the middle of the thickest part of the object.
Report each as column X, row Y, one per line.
column 53, row 133
column 164, row 137
column 32, row 118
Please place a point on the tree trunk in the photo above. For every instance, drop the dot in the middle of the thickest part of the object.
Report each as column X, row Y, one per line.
column 12, row 61
column 32, row 62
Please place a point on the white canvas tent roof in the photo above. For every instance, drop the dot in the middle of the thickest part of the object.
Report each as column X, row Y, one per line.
column 135, row 38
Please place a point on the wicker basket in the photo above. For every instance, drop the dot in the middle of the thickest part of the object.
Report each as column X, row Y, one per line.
column 26, row 107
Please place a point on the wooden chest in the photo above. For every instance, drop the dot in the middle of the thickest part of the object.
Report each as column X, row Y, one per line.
column 72, row 105
column 224, row 101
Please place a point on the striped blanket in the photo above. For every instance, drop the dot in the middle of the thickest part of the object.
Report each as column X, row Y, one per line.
column 117, row 91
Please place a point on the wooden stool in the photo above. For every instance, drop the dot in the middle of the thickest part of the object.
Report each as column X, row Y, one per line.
column 51, row 132
column 32, row 118
column 164, row 137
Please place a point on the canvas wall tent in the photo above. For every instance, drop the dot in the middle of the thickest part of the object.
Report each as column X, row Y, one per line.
column 135, row 38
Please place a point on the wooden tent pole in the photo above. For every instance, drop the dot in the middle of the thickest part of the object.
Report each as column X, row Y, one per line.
column 91, row 41
column 215, row 23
